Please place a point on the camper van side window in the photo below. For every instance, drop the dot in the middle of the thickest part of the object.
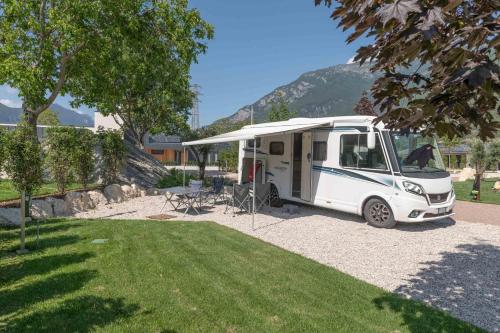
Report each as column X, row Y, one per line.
column 319, row 151
column 348, row 150
column 250, row 143
column 276, row 148
column 354, row 153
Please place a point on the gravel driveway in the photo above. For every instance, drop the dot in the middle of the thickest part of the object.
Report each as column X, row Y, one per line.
column 451, row 265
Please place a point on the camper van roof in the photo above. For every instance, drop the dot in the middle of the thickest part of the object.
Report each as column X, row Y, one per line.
column 251, row 132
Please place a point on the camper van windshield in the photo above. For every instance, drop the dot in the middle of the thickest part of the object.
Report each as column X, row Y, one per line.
column 417, row 153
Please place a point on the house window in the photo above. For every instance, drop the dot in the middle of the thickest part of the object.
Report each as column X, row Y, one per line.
column 354, row 153
column 276, row 148
column 250, row 143
column 156, row 151
column 319, row 151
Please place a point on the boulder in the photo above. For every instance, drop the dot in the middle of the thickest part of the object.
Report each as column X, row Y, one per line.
column 128, row 191
column 97, row 198
column 466, row 173
column 138, row 190
column 60, row 206
column 10, row 216
column 496, row 187
column 78, row 201
column 41, row 209
column 153, row 191
column 114, row 193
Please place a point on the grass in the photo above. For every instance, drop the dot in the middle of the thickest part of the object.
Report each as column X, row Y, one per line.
column 187, row 277
column 463, row 189
column 7, row 191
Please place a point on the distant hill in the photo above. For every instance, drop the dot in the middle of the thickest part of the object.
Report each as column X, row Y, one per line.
column 332, row 91
column 66, row 116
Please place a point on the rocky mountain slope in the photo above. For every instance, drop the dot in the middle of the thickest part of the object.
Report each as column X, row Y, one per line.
column 66, row 116
column 332, row 91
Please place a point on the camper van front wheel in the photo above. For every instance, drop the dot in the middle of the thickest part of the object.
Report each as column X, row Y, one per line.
column 378, row 214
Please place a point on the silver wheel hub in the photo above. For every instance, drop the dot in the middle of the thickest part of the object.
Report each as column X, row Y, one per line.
column 379, row 212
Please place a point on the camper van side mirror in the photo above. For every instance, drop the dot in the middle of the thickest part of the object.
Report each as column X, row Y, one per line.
column 370, row 140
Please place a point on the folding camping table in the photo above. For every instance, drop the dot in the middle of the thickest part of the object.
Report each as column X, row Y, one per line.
column 184, row 197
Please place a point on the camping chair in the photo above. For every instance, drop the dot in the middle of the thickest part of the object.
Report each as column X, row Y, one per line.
column 262, row 195
column 241, row 198
column 216, row 192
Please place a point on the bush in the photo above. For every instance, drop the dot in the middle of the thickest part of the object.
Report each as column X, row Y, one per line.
column 61, row 145
column 175, row 178
column 23, row 158
column 83, row 159
column 229, row 158
column 113, row 153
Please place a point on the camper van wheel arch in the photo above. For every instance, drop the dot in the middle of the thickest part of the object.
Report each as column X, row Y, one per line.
column 378, row 213
column 275, row 199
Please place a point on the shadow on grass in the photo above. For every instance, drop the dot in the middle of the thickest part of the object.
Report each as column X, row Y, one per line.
column 81, row 314
column 40, row 265
column 463, row 282
column 12, row 233
column 14, row 299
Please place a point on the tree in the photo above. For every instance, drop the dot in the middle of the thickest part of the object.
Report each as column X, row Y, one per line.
column 83, row 160
column 23, row 159
column 142, row 78
column 279, row 111
column 2, row 148
column 200, row 152
column 450, row 143
column 49, row 117
column 113, row 153
column 60, row 145
column 364, row 107
column 439, row 61
column 47, row 44
column 483, row 155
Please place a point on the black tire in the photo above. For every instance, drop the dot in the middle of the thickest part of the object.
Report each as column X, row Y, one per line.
column 275, row 197
column 379, row 214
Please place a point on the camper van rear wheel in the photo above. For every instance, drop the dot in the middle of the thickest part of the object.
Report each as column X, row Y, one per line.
column 275, row 199
column 378, row 214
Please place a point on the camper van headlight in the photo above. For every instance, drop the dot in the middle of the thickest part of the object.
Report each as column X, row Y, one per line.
column 413, row 188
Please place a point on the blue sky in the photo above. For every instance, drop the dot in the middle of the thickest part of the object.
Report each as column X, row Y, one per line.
column 258, row 46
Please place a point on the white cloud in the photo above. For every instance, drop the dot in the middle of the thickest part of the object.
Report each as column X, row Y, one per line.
column 351, row 60
column 10, row 103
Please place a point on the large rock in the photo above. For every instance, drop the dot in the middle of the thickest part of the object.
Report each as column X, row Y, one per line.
column 78, row 201
column 466, row 173
column 138, row 190
column 153, row 191
column 60, row 206
column 128, row 191
column 10, row 216
column 114, row 193
column 41, row 209
column 97, row 198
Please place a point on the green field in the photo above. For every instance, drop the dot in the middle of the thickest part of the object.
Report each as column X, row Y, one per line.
column 463, row 189
column 7, row 191
column 187, row 277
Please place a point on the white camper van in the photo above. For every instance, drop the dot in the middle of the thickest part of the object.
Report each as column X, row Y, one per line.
column 347, row 164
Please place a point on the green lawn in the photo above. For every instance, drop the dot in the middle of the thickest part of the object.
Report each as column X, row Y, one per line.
column 7, row 191
column 187, row 277
column 463, row 189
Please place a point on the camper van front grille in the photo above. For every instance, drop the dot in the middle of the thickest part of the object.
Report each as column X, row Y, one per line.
column 438, row 198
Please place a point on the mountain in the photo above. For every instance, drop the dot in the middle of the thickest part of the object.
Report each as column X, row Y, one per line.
column 332, row 91
column 66, row 116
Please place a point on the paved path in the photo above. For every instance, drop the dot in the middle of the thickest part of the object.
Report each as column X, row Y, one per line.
column 477, row 212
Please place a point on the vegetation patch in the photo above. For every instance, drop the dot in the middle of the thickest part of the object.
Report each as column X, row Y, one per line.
column 152, row 276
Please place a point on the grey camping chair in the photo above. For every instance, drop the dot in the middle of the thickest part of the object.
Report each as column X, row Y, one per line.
column 216, row 192
column 241, row 198
column 262, row 195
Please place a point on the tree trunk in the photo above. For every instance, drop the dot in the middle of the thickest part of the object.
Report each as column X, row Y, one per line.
column 31, row 118
column 201, row 167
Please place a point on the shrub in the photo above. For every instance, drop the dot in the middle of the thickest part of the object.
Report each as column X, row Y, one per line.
column 229, row 157
column 23, row 158
column 61, row 146
column 113, row 153
column 83, row 159
column 175, row 178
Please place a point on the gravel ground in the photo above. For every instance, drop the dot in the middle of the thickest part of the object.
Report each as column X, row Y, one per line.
column 452, row 265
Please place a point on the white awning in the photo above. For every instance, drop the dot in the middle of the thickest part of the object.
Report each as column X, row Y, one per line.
column 254, row 131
